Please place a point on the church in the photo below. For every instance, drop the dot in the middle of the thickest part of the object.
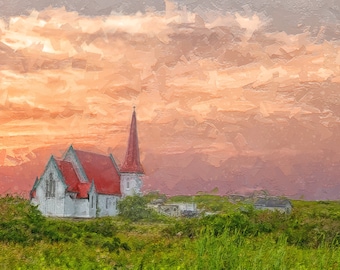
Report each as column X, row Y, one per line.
column 86, row 185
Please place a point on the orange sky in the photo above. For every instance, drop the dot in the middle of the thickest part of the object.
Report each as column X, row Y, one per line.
column 221, row 101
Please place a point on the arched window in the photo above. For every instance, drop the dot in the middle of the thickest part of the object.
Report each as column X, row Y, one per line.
column 47, row 191
column 50, row 187
column 128, row 184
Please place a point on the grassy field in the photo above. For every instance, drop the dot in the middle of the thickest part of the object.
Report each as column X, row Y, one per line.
column 238, row 237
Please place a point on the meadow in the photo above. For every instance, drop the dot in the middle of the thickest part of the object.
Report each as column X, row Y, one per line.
column 236, row 237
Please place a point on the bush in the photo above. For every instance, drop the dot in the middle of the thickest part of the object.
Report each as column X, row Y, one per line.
column 135, row 208
column 102, row 226
column 20, row 222
column 184, row 228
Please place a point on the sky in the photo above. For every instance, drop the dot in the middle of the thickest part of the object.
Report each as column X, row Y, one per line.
column 230, row 97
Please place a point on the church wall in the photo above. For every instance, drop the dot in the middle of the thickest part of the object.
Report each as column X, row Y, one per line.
column 130, row 184
column 107, row 205
column 82, row 208
column 93, row 198
column 69, row 204
column 51, row 197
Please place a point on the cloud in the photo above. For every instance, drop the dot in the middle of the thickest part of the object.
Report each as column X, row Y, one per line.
column 218, row 86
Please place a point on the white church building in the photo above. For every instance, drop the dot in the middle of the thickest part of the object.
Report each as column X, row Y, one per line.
column 85, row 184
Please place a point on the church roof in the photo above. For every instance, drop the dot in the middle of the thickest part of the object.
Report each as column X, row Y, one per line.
column 99, row 169
column 102, row 170
column 132, row 161
column 71, row 179
column 69, row 174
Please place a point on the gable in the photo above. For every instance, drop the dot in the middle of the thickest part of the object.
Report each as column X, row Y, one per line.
column 102, row 170
column 72, row 157
column 53, row 166
column 48, row 179
column 72, row 180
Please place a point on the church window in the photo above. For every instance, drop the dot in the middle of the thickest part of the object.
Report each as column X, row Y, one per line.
column 114, row 204
column 50, row 187
column 92, row 203
column 47, row 194
column 107, row 203
column 128, row 184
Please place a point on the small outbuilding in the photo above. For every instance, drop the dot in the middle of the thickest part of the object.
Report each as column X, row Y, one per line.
column 282, row 205
column 174, row 209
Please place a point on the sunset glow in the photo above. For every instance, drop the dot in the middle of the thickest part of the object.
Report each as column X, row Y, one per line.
column 221, row 101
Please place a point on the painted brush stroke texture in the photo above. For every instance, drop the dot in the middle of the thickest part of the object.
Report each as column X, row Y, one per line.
column 237, row 96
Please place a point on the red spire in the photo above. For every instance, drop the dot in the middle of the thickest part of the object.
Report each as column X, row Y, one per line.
column 132, row 163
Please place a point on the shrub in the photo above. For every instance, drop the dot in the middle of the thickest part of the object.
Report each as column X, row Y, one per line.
column 184, row 228
column 102, row 226
column 135, row 208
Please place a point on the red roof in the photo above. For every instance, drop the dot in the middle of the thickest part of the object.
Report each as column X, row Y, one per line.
column 83, row 190
column 132, row 162
column 98, row 168
column 102, row 170
column 71, row 179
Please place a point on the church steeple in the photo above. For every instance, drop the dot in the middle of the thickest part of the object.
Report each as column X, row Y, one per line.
column 132, row 162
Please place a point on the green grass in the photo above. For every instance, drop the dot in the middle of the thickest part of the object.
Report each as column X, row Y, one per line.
column 233, row 239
